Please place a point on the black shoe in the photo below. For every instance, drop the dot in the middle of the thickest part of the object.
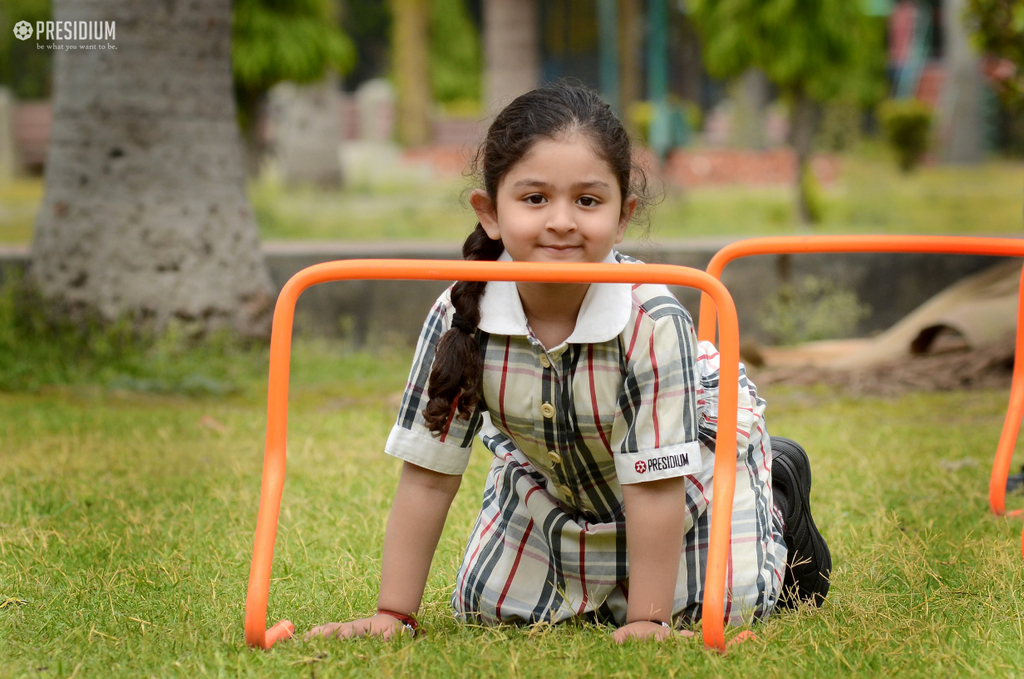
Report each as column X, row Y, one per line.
column 809, row 563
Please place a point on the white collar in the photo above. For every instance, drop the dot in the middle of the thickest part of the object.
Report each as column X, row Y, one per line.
column 603, row 316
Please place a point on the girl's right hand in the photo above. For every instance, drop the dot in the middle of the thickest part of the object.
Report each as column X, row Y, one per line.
column 377, row 626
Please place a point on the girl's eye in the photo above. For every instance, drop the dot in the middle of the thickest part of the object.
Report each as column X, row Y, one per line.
column 535, row 199
column 587, row 201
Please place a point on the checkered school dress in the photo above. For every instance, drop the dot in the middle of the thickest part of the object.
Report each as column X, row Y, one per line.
column 629, row 397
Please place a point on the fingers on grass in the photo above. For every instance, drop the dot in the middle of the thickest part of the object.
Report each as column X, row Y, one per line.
column 642, row 631
column 386, row 628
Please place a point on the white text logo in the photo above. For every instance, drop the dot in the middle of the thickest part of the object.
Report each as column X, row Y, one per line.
column 74, row 30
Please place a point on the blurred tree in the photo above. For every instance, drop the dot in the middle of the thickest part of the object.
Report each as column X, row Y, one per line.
column 454, row 52
column 145, row 211
column 23, row 68
column 631, row 31
column 999, row 32
column 410, row 51
column 511, row 50
column 813, row 50
column 275, row 40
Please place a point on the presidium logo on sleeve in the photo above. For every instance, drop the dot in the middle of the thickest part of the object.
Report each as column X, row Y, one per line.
column 663, row 463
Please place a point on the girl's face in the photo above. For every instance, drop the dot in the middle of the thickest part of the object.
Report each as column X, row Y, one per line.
column 559, row 203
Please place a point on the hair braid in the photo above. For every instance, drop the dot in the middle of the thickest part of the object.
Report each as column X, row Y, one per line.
column 458, row 366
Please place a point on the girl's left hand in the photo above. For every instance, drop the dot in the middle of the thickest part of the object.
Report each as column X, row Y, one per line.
column 647, row 630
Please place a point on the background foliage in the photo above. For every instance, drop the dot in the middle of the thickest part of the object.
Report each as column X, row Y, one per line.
column 455, row 65
column 826, row 48
column 275, row 40
column 999, row 31
column 23, row 68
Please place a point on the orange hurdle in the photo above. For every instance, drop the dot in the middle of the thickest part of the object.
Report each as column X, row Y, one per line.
column 964, row 245
column 256, row 632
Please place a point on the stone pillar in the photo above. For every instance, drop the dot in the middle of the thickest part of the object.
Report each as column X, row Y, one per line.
column 511, row 50
column 375, row 106
column 307, row 132
column 750, row 93
column 961, row 133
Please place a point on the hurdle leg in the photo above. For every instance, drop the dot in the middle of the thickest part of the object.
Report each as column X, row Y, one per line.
column 1011, row 425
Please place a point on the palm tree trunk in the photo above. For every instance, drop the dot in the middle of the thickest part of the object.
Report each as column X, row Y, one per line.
column 145, row 210
column 511, row 52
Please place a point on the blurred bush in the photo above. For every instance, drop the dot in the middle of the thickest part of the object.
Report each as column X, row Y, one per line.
column 43, row 346
column 907, row 126
column 814, row 308
column 455, row 62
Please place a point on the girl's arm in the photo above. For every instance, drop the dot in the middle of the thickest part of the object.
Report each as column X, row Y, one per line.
column 654, row 542
column 414, row 528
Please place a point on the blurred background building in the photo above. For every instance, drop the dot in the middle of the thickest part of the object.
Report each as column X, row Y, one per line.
column 645, row 56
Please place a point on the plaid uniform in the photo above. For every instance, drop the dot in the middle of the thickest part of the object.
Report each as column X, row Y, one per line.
column 629, row 397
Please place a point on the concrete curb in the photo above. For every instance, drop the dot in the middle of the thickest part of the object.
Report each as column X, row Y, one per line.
column 375, row 311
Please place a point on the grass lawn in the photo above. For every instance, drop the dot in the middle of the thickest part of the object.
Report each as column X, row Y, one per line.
column 870, row 197
column 126, row 525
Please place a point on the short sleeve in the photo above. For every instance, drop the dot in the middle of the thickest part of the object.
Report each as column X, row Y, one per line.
column 655, row 435
column 410, row 439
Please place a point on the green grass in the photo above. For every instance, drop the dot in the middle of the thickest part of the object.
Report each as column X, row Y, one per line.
column 19, row 201
column 126, row 524
column 872, row 196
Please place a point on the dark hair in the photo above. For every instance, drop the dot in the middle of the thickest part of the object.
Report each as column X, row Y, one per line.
column 546, row 112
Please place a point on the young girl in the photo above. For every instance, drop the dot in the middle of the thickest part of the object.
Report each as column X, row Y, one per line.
column 599, row 407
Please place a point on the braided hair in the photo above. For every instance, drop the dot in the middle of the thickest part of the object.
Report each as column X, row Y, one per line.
column 547, row 112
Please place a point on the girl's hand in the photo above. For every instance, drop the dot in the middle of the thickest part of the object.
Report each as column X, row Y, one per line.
column 377, row 626
column 647, row 630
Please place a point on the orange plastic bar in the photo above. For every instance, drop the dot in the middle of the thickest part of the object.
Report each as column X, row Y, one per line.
column 965, row 245
column 256, row 632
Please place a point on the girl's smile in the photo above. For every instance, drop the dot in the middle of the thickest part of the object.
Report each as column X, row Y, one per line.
column 560, row 202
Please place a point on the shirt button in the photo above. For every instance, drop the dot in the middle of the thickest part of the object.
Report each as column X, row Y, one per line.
column 547, row 410
column 554, row 457
column 544, row 361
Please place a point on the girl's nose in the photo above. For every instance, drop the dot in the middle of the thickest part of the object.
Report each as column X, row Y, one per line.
column 561, row 218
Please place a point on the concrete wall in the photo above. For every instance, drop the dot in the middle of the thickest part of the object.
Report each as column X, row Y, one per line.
column 375, row 311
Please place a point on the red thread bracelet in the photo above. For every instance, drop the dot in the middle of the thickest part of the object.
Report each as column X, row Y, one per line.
column 409, row 621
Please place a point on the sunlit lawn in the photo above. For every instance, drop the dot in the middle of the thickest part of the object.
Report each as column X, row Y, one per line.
column 19, row 202
column 126, row 525
column 870, row 197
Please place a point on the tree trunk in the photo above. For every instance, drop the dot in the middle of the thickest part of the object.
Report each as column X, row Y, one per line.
column 511, row 51
column 410, row 45
column 801, row 133
column 145, row 210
